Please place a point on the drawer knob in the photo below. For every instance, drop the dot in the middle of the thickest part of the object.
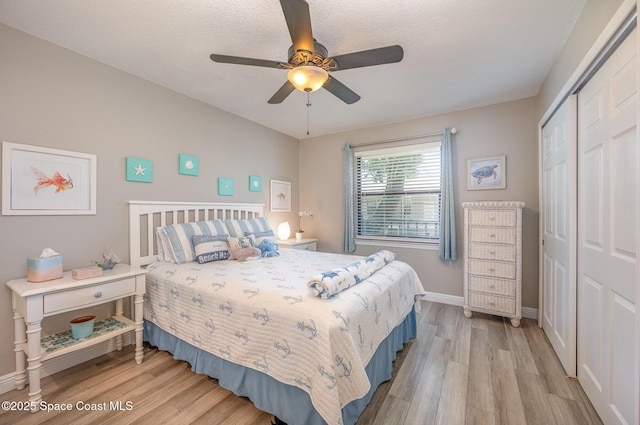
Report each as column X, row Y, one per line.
column 492, row 286
column 492, row 252
column 98, row 294
column 492, row 269
column 493, row 235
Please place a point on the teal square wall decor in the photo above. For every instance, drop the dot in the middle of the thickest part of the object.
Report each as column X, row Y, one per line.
column 139, row 170
column 255, row 184
column 225, row 186
column 188, row 165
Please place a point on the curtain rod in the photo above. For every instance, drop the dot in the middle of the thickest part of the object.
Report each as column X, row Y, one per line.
column 418, row 136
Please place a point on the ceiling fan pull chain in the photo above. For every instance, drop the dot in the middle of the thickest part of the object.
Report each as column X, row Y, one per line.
column 308, row 106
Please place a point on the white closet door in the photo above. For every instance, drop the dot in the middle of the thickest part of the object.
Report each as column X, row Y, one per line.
column 559, row 193
column 607, row 251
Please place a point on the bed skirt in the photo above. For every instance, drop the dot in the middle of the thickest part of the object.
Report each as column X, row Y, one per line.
column 290, row 404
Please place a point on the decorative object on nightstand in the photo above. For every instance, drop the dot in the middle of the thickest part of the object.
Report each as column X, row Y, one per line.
column 299, row 232
column 493, row 258
column 82, row 327
column 109, row 260
column 301, row 244
column 33, row 302
column 284, row 231
column 47, row 266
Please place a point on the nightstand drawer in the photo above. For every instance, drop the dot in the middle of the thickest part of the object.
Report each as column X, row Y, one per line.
column 493, row 234
column 308, row 246
column 484, row 217
column 492, row 269
column 492, row 252
column 493, row 303
column 492, row 286
column 82, row 297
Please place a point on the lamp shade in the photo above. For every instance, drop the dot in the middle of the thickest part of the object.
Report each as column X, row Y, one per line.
column 307, row 77
column 284, row 231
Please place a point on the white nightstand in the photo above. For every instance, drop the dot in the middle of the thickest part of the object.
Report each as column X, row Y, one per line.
column 303, row 244
column 34, row 301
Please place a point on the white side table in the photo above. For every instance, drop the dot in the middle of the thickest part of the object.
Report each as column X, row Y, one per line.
column 303, row 244
column 34, row 301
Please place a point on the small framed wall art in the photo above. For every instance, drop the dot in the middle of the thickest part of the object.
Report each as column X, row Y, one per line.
column 487, row 173
column 139, row 170
column 280, row 196
column 188, row 165
column 44, row 181
column 225, row 186
column 255, row 184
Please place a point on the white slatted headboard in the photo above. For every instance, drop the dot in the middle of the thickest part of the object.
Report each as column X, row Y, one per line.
column 145, row 216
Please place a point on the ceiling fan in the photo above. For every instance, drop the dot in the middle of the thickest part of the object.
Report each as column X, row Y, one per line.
column 309, row 63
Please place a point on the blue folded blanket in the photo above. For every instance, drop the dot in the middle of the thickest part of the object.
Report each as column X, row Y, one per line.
column 329, row 283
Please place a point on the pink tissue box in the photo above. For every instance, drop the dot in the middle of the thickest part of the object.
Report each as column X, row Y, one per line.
column 40, row 269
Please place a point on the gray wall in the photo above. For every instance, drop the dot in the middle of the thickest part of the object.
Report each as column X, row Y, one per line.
column 507, row 128
column 594, row 17
column 55, row 98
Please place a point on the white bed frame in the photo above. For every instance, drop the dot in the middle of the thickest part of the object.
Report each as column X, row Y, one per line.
column 145, row 216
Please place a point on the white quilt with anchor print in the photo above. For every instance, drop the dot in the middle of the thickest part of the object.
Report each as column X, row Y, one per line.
column 260, row 314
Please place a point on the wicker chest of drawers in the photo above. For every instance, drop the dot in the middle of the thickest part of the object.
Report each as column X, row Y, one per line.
column 493, row 259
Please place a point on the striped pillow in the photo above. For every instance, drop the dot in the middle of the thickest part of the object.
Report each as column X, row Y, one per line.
column 239, row 228
column 176, row 239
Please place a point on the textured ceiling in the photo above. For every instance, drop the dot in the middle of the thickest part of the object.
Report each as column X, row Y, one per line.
column 458, row 54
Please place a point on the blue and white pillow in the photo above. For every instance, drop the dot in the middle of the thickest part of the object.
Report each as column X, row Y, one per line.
column 176, row 239
column 242, row 227
column 210, row 248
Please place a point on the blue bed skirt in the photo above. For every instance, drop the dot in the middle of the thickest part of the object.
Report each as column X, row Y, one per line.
column 290, row 404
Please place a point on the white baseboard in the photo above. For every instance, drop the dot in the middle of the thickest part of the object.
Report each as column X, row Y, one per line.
column 527, row 312
column 57, row 364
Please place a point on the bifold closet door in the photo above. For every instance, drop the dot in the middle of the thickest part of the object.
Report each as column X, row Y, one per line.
column 607, row 226
column 559, row 194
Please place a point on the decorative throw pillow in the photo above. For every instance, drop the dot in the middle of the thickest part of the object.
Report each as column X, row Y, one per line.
column 242, row 227
column 260, row 236
column 210, row 248
column 236, row 244
column 176, row 239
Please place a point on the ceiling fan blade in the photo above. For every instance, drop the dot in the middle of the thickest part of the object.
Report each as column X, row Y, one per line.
column 296, row 13
column 244, row 61
column 282, row 93
column 371, row 57
column 341, row 91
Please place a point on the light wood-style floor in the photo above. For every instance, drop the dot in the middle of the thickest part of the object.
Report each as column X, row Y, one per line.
column 457, row 371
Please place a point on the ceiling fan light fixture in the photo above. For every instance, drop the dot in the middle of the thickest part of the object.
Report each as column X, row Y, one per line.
column 307, row 78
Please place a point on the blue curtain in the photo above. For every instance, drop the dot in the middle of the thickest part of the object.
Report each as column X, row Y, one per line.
column 447, row 204
column 349, row 242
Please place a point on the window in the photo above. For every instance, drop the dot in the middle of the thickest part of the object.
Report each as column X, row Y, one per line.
column 397, row 193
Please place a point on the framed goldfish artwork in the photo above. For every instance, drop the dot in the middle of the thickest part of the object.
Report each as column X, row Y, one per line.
column 487, row 173
column 45, row 181
column 280, row 196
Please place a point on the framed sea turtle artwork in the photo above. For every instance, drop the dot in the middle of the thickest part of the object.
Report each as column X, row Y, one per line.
column 487, row 173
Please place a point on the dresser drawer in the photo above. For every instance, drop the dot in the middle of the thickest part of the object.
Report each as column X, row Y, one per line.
column 506, row 235
column 82, row 297
column 492, row 269
column 493, row 303
column 492, row 286
column 492, row 252
column 482, row 217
